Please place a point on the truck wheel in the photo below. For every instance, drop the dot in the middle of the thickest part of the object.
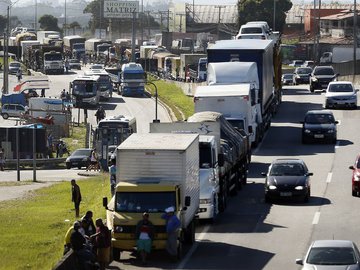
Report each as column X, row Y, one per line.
column 116, row 254
column 5, row 115
column 190, row 233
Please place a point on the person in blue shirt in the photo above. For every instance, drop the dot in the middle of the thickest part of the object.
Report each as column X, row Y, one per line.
column 172, row 227
column 112, row 171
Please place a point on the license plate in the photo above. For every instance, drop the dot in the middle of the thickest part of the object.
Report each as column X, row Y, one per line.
column 319, row 136
column 74, row 163
column 285, row 194
column 324, row 85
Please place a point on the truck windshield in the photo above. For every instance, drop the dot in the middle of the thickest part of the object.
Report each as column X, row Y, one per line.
column 202, row 66
column 85, row 88
column 105, row 83
column 205, row 156
column 237, row 123
column 133, row 76
column 53, row 57
column 79, row 46
column 138, row 202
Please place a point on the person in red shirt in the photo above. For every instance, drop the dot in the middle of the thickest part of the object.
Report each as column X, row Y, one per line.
column 144, row 236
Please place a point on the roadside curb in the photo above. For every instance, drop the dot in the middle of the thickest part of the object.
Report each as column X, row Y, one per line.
column 89, row 173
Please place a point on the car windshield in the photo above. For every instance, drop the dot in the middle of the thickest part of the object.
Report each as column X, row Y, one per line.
column 14, row 64
column 287, row 169
column 331, row 256
column 304, row 70
column 317, row 118
column 288, row 76
column 324, row 71
column 341, row 87
column 251, row 30
column 82, row 152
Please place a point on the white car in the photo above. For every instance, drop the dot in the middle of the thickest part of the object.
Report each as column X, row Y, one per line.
column 341, row 94
column 253, row 31
column 97, row 67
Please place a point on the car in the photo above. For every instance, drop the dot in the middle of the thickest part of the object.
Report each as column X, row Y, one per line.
column 331, row 254
column 97, row 67
column 79, row 158
column 308, row 63
column 14, row 67
column 319, row 126
column 252, row 31
column 12, row 110
column 302, row 75
column 341, row 94
column 287, row 178
column 321, row 76
column 355, row 179
column 287, row 79
column 74, row 64
column 296, row 63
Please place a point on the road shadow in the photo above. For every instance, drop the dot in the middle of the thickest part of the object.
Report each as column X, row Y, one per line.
column 108, row 106
column 293, row 202
column 117, row 100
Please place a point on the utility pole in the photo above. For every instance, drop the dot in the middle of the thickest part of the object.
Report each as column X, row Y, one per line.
column 141, row 21
column 181, row 17
column 318, row 34
column 6, row 54
column 274, row 15
column 219, row 19
column 65, row 20
column 100, row 19
column 314, row 30
column 355, row 39
column 168, row 20
column 35, row 23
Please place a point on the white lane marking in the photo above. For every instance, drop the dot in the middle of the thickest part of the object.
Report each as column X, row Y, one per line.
column 316, row 218
column 193, row 248
column 328, row 178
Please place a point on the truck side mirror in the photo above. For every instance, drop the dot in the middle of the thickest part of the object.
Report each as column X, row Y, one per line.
column 105, row 202
column 187, row 201
column 221, row 159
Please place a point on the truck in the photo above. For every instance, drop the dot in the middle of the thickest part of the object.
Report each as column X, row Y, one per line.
column 339, row 55
column 44, row 58
column 24, row 45
column 132, row 80
column 16, row 98
column 234, row 148
column 266, row 55
column 102, row 50
column 188, row 62
column 85, row 91
column 69, row 42
column 91, row 45
column 210, row 160
column 233, row 90
column 42, row 35
column 157, row 171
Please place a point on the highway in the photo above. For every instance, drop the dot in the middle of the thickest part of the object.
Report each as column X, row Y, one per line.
column 251, row 234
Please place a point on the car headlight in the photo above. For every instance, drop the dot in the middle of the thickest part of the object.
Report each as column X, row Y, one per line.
column 352, row 97
column 67, row 160
column 314, row 79
column 272, row 187
column 205, row 201
column 330, row 131
column 307, row 131
column 118, row 229
column 299, row 188
column 297, row 77
column 357, row 177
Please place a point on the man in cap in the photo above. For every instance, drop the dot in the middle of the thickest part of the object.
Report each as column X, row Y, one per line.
column 144, row 236
column 172, row 227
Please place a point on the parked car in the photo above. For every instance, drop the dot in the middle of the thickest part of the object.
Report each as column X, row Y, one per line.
column 308, row 63
column 321, row 76
column 74, row 64
column 331, row 254
column 79, row 158
column 12, row 110
column 287, row 79
column 287, row 178
column 14, row 67
column 97, row 67
column 355, row 179
column 296, row 63
column 319, row 126
column 302, row 75
column 341, row 94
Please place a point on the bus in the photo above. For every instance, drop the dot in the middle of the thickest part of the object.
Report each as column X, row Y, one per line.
column 109, row 134
column 85, row 91
column 106, row 85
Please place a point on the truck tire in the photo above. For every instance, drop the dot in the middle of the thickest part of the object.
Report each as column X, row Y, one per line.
column 116, row 254
column 189, row 236
column 5, row 115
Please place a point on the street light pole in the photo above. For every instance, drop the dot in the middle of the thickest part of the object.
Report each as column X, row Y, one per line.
column 355, row 39
column 274, row 15
column 35, row 23
column 156, row 120
column 6, row 54
column 65, row 20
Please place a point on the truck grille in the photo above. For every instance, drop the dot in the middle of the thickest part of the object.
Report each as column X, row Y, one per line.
column 131, row 229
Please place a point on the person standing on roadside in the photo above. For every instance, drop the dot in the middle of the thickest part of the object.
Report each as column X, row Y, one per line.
column 19, row 74
column 144, row 235
column 172, row 227
column 112, row 171
column 2, row 159
column 76, row 197
column 102, row 243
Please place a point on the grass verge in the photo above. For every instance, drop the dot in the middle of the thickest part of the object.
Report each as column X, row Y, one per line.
column 173, row 96
column 34, row 227
column 77, row 138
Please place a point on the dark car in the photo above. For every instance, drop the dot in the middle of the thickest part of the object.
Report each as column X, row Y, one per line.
column 332, row 255
column 79, row 158
column 287, row 79
column 355, row 179
column 302, row 75
column 74, row 64
column 14, row 67
column 319, row 126
column 321, row 76
column 287, row 178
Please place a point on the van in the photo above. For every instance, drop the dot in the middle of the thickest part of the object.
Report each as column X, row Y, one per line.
column 12, row 110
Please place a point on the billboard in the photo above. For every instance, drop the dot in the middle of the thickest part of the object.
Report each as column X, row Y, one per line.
column 120, row 9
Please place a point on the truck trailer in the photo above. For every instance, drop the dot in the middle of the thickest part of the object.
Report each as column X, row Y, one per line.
column 156, row 171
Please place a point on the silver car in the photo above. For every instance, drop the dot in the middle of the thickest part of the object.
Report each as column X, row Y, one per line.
column 341, row 94
column 12, row 110
column 331, row 254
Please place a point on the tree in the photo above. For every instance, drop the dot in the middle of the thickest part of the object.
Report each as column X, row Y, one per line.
column 263, row 10
column 49, row 23
column 74, row 25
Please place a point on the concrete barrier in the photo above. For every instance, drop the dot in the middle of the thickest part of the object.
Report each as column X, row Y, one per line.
column 67, row 262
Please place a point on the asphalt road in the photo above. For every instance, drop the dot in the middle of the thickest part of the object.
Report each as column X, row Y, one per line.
column 252, row 234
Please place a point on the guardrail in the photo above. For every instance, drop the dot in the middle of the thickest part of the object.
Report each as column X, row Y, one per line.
column 39, row 161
